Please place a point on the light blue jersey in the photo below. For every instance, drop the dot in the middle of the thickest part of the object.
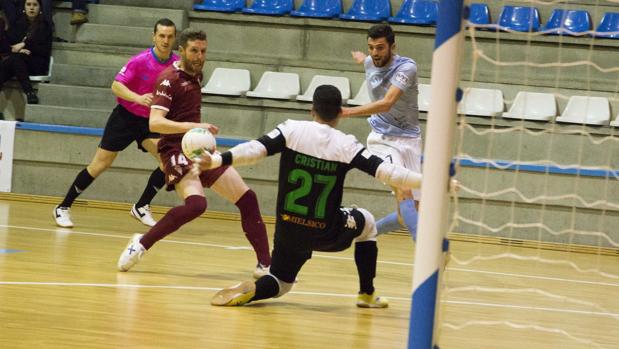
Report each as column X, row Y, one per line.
column 403, row 118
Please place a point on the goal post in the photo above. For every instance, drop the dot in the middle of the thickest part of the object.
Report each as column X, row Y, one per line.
column 438, row 150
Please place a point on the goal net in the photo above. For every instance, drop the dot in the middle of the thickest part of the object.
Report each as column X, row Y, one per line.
column 534, row 228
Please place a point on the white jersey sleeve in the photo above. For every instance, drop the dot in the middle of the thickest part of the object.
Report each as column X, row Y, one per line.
column 398, row 176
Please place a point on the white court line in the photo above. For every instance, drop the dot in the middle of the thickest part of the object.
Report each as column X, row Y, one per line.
column 549, row 278
column 301, row 293
column 556, row 310
column 227, row 247
column 575, row 281
column 170, row 287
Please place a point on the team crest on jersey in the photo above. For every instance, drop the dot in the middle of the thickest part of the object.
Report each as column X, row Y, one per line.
column 375, row 80
column 166, row 83
column 402, row 78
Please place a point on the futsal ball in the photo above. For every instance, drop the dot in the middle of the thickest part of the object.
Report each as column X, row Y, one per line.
column 197, row 141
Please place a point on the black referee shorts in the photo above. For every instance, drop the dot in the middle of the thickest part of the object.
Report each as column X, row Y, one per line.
column 123, row 128
column 291, row 249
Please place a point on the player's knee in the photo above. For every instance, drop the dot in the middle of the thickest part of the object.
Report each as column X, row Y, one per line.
column 369, row 232
column 98, row 166
column 195, row 205
column 95, row 170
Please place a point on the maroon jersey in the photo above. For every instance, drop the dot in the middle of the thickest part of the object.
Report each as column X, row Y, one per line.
column 179, row 94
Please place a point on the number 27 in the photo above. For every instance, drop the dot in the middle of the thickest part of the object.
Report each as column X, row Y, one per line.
column 298, row 175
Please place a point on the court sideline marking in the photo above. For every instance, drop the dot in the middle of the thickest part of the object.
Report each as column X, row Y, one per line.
column 302, row 293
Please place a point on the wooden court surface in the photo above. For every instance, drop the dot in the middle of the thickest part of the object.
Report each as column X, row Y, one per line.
column 59, row 288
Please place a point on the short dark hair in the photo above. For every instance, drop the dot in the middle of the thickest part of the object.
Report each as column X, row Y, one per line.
column 164, row 22
column 382, row 31
column 327, row 102
column 191, row 34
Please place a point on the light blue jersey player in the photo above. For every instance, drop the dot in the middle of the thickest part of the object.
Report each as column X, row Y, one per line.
column 395, row 135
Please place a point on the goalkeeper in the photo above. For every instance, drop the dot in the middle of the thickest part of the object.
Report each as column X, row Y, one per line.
column 315, row 158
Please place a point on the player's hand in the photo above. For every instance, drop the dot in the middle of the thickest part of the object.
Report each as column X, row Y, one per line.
column 145, row 99
column 210, row 127
column 17, row 47
column 203, row 162
column 358, row 56
column 25, row 51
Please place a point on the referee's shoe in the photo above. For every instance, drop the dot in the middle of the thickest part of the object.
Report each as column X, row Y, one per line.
column 62, row 216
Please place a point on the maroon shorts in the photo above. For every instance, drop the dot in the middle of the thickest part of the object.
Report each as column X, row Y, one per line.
column 176, row 166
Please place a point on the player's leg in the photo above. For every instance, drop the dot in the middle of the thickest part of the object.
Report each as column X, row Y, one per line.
column 403, row 152
column 141, row 209
column 408, row 210
column 231, row 187
column 287, row 261
column 102, row 160
column 115, row 139
column 190, row 189
column 366, row 254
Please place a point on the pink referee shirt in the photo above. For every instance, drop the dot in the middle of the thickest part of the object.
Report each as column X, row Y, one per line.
column 140, row 75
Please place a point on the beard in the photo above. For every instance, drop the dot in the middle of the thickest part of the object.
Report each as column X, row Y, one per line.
column 382, row 61
column 190, row 68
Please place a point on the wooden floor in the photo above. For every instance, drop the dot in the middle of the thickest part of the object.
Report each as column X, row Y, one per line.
column 59, row 288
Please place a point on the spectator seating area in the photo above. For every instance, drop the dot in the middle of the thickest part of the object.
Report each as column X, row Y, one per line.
column 533, row 106
column 48, row 76
column 281, row 56
column 560, row 22
column 424, row 12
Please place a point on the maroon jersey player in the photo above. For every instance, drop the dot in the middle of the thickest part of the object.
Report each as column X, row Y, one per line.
column 174, row 111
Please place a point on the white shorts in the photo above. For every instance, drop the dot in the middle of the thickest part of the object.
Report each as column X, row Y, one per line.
column 403, row 151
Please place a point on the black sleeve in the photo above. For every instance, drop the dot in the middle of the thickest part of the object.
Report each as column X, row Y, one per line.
column 39, row 41
column 17, row 33
column 274, row 141
column 366, row 162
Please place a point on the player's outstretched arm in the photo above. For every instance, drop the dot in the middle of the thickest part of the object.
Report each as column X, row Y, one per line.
column 247, row 153
column 380, row 106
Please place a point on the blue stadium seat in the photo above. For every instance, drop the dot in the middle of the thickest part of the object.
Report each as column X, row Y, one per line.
column 368, row 10
column 418, row 12
column 568, row 22
column 479, row 14
column 519, row 18
column 609, row 26
column 270, row 7
column 220, row 5
column 319, row 9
